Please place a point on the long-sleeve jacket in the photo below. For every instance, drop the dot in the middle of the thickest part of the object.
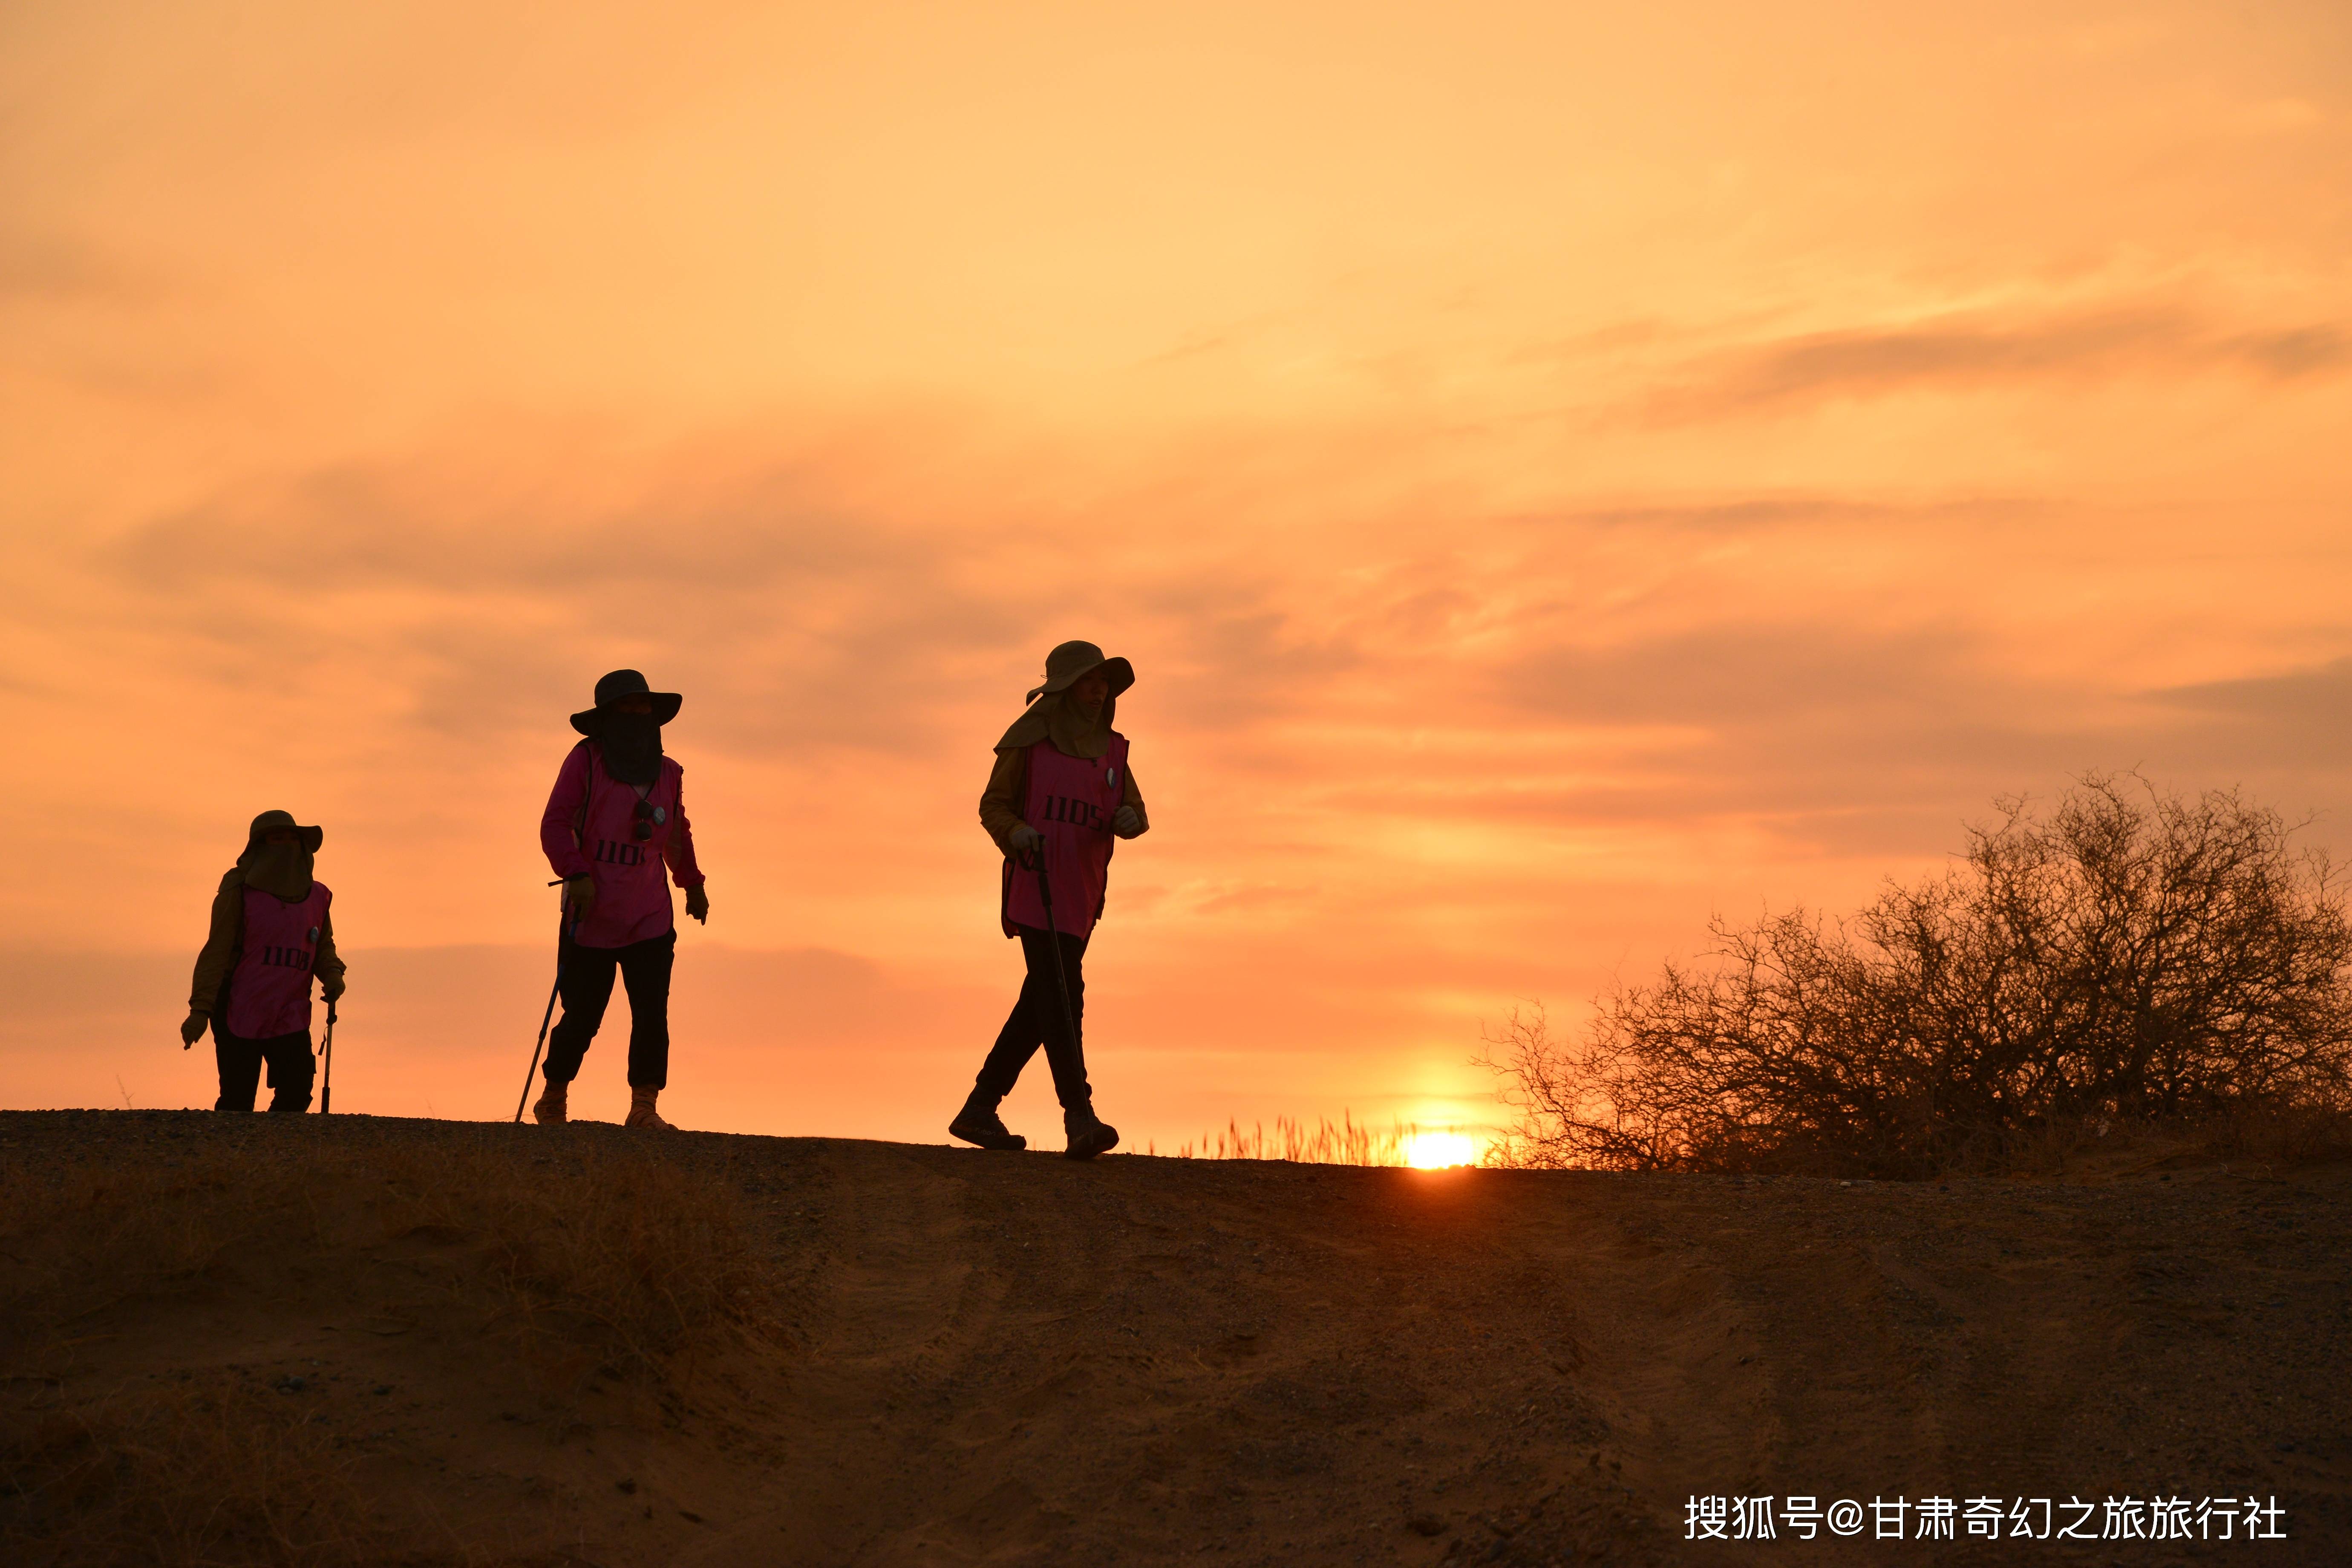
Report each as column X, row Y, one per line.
column 560, row 825
column 225, row 944
column 1006, row 796
column 589, row 830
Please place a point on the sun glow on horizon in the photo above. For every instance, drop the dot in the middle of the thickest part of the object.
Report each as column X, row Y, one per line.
column 1439, row 1148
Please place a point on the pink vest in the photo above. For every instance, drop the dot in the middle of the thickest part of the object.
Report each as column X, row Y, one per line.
column 1071, row 802
column 269, row 990
column 632, row 887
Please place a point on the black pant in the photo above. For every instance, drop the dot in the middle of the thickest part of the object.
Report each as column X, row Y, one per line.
column 586, row 976
column 1036, row 1020
column 239, row 1060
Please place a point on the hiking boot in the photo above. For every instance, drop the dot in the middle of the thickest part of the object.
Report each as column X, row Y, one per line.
column 642, row 1112
column 978, row 1123
column 1089, row 1134
column 551, row 1111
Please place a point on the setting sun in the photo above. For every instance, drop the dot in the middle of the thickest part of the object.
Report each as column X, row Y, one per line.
column 1437, row 1150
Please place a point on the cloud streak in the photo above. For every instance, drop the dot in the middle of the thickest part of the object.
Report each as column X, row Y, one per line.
column 1976, row 352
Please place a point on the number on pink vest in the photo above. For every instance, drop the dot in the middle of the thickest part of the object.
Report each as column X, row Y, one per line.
column 269, row 992
column 1071, row 801
column 632, row 880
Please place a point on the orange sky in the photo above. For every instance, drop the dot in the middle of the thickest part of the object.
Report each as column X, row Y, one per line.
column 1557, row 473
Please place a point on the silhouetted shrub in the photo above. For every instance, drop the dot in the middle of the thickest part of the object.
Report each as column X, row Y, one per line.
column 2137, row 957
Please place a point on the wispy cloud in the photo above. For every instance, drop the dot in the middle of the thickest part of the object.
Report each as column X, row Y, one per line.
column 1973, row 351
column 2295, row 719
column 46, row 266
column 2318, row 695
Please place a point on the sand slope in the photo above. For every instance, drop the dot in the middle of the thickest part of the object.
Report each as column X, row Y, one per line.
column 1014, row 1359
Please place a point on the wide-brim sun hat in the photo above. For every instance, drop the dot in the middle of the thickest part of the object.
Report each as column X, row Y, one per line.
column 622, row 683
column 270, row 821
column 1073, row 661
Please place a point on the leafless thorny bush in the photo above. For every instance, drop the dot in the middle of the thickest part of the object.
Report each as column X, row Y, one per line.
column 2137, row 959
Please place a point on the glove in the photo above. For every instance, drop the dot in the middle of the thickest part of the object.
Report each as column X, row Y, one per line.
column 331, row 990
column 1127, row 822
column 1024, row 840
column 192, row 1030
column 697, row 903
column 580, row 895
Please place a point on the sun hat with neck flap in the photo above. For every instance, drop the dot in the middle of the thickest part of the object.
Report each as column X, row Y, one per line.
column 1071, row 662
column 282, row 869
column 1071, row 731
column 270, row 822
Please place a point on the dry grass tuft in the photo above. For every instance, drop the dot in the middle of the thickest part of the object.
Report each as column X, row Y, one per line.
column 181, row 1474
column 1327, row 1144
column 77, row 1244
column 2287, row 1137
column 617, row 1247
column 579, row 1256
column 2274, row 1138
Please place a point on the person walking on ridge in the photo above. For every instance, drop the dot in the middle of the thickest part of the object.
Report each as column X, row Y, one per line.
column 270, row 935
column 616, row 818
column 1061, row 787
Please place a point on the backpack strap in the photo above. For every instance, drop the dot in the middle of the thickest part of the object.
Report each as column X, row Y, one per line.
column 587, row 797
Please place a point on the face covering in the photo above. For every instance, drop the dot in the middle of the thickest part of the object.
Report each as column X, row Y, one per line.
column 633, row 749
column 1074, row 732
column 281, row 870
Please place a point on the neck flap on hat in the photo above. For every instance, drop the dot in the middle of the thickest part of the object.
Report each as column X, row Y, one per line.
column 633, row 746
column 1056, row 717
column 281, row 870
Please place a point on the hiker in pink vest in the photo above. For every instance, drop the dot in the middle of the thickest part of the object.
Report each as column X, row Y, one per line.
column 1062, row 788
column 270, row 935
column 616, row 819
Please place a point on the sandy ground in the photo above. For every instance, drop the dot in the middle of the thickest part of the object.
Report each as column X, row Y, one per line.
column 1010, row 1358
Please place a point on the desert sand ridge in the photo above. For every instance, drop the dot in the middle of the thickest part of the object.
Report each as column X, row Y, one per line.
column 430, row 1336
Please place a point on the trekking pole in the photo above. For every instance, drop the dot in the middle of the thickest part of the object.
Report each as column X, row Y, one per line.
column 327, row 1070
column 554, row 991
column 1054, row 935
